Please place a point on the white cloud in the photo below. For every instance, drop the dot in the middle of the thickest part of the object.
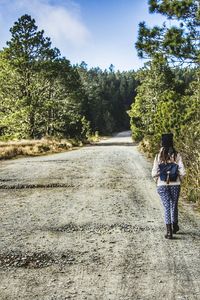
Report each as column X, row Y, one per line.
column 62, row 26
column 61, row 21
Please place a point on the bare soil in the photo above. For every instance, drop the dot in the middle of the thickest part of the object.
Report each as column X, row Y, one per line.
column 88, row 224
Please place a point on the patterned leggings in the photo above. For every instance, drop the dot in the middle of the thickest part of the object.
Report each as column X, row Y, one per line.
column 169, row 195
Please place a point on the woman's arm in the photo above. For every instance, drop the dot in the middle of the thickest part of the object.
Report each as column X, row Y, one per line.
column 155, row 169
column 181, row 167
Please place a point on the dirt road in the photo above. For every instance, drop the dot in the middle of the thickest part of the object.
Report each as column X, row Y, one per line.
column 88, row 224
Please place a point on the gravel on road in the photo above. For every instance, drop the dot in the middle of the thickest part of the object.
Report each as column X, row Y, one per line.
column 88, row 224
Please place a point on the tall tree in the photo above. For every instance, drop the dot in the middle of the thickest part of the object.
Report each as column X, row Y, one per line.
column 13, row 118
column 27, row 51
column 179, row 42
column 155, row 109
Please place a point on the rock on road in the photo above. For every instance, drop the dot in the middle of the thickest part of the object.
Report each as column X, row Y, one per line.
column 88, row 224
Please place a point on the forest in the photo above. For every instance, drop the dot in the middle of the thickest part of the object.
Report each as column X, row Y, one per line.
column 168, row 94
column 43, row 95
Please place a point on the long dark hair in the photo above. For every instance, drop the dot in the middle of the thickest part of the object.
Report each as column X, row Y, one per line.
column 167, row 153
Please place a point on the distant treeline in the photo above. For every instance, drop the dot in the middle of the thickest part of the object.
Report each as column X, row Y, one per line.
column 42, row 94
column 168, row 95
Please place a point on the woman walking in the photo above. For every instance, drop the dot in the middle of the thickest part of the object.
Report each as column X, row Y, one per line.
column 168, row 171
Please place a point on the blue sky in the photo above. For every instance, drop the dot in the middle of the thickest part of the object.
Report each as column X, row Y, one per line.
column 99, row 32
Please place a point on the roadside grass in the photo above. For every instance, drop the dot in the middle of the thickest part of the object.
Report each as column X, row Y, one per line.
column 12, row 149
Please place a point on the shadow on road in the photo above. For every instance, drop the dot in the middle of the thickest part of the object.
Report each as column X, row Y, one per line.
column 114, row 144
column 196, row 235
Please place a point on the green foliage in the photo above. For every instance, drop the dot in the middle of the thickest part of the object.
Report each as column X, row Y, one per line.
column 41, row 94
column 13, row 116
column 178, row 43
column 155, row 99
column 160, row 108
column 108, row 97
column 168, row 99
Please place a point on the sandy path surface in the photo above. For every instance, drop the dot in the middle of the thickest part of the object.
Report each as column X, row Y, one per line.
column 88, row 224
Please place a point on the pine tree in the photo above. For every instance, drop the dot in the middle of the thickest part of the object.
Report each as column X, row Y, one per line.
column 28, row 51
column 178, row 43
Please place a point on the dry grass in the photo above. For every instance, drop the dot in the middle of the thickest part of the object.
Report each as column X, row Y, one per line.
column 146, row 147
column 34, row 147
column 94, row 137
